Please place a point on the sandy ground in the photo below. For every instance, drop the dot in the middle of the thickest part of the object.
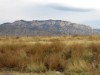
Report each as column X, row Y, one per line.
column 47, row 73
column 17, row 73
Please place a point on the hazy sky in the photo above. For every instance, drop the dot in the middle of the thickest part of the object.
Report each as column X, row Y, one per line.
column 78, row 11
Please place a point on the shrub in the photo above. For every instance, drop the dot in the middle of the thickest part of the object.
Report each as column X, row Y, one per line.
column 55, row 62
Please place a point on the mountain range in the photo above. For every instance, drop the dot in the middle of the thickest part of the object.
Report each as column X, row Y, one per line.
column 44, row 28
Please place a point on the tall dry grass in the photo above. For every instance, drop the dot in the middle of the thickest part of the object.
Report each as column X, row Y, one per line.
column 75, row 54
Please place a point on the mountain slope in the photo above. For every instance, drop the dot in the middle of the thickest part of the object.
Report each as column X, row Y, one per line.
column 97, row 30
column 47, row 27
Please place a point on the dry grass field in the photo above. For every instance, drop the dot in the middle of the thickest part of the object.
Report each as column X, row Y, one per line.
column 57, row 55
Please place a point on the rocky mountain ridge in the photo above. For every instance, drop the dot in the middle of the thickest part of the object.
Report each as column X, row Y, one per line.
column 44, row 28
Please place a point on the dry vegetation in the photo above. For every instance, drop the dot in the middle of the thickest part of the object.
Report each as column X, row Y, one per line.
column 70, row 55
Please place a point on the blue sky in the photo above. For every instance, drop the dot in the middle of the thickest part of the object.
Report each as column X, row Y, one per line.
column 78, row 11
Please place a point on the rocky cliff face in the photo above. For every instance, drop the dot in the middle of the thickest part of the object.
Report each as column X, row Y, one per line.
column 42, row 28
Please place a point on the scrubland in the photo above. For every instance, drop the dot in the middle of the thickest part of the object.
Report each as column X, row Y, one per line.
column 57, row 55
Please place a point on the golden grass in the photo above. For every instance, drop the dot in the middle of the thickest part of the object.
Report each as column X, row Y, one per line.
column 41, row 54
